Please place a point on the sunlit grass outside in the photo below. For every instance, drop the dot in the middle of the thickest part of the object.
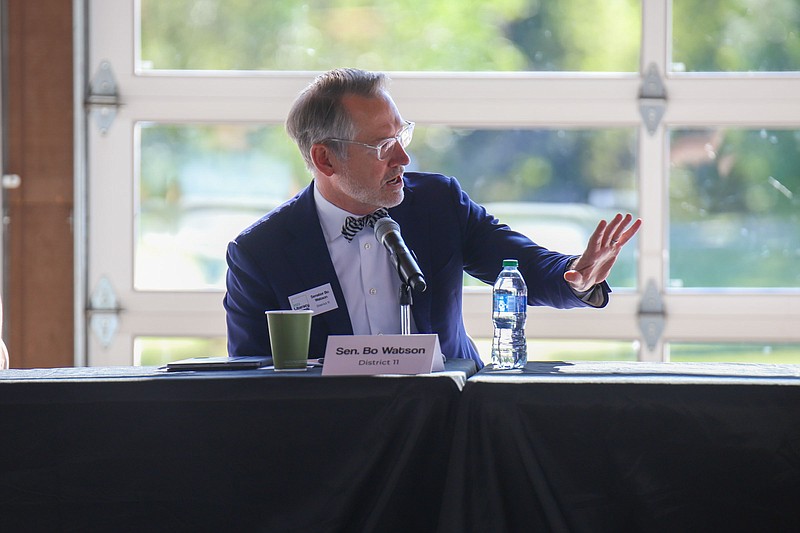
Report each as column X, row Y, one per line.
column 603, row 350
column 569, row 350
column 157, row 351
column 735, row 353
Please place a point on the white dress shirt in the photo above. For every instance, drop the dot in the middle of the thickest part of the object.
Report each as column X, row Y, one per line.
column 367, row 276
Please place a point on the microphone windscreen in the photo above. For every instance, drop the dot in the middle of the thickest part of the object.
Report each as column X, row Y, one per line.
column 383, row 226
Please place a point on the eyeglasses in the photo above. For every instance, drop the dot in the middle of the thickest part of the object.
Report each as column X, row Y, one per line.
column 384, row 148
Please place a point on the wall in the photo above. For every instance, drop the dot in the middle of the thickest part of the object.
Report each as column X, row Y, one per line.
column 39, row 139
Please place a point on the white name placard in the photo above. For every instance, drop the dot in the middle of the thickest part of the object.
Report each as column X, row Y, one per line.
column 348, row 355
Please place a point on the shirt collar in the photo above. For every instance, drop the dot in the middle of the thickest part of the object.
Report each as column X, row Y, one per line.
column 331, row 218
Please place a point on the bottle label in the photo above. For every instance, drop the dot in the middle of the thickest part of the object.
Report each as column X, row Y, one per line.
column 510, row 303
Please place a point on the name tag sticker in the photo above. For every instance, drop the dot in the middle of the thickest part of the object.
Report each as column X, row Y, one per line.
column 320, row 300
column 349, row 355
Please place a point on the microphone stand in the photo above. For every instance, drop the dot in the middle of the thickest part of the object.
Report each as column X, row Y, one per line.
column 405, row 308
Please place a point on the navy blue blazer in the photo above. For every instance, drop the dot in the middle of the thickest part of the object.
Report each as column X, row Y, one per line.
column 284, row 253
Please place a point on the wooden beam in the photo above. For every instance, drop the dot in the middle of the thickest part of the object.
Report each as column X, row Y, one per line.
column 39, row 302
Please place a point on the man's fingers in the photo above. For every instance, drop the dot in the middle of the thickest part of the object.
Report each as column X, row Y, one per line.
column 619, row 224
column 611, row 234
column 596, row 239
column 626, row 235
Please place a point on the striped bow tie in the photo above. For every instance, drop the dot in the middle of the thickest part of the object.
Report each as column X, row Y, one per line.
column 353, row 225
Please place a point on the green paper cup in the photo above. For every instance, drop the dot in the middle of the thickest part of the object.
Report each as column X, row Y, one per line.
column 289, row 333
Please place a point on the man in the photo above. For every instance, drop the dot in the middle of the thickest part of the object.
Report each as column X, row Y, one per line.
column 304, row 252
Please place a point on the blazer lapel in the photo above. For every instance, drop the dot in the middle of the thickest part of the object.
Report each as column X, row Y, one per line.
column 308, row 253
column 416, row 231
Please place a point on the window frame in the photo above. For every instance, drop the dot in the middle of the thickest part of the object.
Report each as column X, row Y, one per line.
column 475, row 100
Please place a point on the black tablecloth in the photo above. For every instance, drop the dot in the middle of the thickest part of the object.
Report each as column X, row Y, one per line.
column 557, row 447
column 127, row 449
column 596, row 447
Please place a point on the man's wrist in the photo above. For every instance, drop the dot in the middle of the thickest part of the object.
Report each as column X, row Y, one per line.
column 571, row 266
column 571, row 262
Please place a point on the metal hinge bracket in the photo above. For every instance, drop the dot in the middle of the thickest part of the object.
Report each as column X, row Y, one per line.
column 651, row 315
column 104, row 312
column 652, row 99
column 102, row 100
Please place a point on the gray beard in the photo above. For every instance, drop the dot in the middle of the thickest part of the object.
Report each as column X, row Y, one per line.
column 367, row 196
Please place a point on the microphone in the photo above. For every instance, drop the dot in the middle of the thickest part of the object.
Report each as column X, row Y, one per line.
column 387, row 231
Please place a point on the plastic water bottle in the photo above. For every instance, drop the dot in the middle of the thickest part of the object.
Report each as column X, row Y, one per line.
column 509, row 310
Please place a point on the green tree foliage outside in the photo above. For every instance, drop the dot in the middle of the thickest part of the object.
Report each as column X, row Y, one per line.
column 735, row 204
column 392, row 35
column 744, row 194
column 736, row 35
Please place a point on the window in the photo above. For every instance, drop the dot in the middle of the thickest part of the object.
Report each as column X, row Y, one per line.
column 734, row 217
column 198, row 187
column 553, row 185
column 736, row 36
column 537, row 107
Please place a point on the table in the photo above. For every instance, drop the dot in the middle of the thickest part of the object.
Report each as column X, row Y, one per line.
column 618, row 447
column 139, row 449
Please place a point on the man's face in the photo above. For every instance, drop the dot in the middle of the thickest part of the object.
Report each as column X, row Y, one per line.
column 363, row 183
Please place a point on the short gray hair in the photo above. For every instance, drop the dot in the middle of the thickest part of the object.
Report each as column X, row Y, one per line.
column 318, row 113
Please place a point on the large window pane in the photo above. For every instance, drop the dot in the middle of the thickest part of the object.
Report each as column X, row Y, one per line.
column 397, row 35
column 734, row 214
column 735, row 35
column 198, row 187
column 552, row 185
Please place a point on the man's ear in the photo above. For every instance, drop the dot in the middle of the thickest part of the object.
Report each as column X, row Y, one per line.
column 324, row 160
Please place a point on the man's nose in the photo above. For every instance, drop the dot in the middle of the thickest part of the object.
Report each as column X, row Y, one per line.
column 399, row 155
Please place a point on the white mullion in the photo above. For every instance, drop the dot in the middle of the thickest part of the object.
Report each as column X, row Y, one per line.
column 655, row 35
column 654, row 211
column 759, row 102
column 653, row 168
column 505, row 102
column 614, row 322
column 727, row 316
